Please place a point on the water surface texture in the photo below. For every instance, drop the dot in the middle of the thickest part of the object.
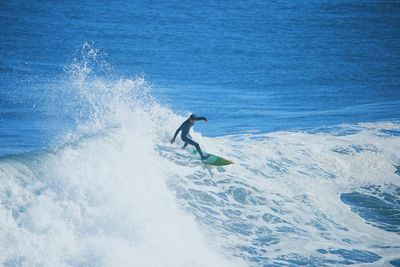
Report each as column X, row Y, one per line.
column 303, row 97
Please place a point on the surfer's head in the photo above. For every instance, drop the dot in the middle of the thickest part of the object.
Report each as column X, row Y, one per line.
column 192, row 118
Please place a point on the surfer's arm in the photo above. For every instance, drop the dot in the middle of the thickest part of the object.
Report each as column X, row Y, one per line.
column 176, row 133
column 201, row 119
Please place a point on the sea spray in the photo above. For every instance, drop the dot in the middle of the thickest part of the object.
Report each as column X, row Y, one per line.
column 99, row 195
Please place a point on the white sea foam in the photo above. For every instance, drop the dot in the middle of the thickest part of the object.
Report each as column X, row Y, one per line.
column 281, row 198
column 101, row 200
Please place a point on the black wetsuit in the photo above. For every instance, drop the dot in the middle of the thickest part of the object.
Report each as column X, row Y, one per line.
column 185, row 128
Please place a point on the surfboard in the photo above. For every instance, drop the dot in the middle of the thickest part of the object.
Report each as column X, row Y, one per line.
column 216, row 160
column 212, row 159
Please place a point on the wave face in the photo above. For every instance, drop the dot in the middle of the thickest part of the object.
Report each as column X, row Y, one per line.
column 113, row 190
column 99, row 196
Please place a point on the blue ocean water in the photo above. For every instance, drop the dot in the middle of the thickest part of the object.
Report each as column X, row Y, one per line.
column 297, row 93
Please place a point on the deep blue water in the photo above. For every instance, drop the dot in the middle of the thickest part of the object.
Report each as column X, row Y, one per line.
column 263, row 66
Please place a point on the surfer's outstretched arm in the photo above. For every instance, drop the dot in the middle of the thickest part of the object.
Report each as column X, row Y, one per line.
column 200, row 119
column 176, row 133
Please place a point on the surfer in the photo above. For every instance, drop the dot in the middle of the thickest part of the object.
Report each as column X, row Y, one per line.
column 185, row 128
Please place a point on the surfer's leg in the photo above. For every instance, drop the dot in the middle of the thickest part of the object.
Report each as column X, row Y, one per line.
column 193, row 143
column 197, row 146
column 185, row 145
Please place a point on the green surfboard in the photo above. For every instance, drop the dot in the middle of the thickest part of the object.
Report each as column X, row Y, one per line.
column 216, row 160
column 212, row 159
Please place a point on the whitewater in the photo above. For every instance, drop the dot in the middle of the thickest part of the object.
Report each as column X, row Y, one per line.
column 114, row 192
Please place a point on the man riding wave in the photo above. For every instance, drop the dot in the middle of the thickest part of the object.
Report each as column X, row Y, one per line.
column 185, row 128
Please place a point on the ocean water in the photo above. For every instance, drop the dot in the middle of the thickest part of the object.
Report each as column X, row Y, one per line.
column 302, row 96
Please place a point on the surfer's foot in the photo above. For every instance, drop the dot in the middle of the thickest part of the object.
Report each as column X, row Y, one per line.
column 205, row 157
